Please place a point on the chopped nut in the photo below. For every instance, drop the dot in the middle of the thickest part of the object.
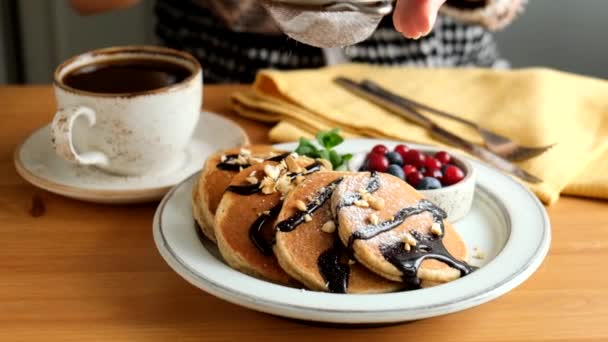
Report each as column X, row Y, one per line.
column 255, row 161
column 223, row 158
column 299, row 179
column 436, row 229
column 272, row 171
column 366, row 196
column 304, row 160
column 329, row 227
column 292, row 165
column 241, row 160
column 307, row 218
column 245, row 152
column 252, row 180
column 266, row 212
column 267, row 186
column 301, row 205
column 283, row 185
column 351, row 262
column 407, row 247
column 362, row 204
column 377, row 203
column 240, row 168
column 373, row 219
column 325, row 164
column 283, row 164
column 362, row 191
column 410, row 240
column 479, row 255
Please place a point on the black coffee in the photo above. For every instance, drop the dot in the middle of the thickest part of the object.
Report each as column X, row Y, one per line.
column 126, row 76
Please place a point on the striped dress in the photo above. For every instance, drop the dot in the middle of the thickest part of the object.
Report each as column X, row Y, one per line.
column 233, row 39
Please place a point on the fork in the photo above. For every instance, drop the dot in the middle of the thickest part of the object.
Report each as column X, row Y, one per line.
column 499, row 144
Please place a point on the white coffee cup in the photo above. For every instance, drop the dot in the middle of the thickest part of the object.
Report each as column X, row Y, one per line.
column 134, row 133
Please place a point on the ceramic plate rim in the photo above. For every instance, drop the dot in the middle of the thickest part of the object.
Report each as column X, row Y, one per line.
column 370, row 313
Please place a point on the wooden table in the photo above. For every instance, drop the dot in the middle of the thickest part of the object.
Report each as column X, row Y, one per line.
column 76, row 271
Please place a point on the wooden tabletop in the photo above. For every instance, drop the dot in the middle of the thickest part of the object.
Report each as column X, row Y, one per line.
column 71, row 270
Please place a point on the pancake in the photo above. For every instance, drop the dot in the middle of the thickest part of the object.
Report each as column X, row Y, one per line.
column 395, row 232
column 310, row 252
column 245, row 217
column 215, row 178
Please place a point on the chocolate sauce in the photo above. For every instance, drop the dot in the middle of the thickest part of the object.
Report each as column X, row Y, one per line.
column 228, row 164
column 244, row 190
column 427, row 247
column 422, row 206
column 296, row 219
column 257, row 231
column 331, row 266
column 372, row 186
column 250, row 189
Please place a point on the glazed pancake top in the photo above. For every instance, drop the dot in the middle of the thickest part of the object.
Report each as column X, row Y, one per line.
column 397, row 233
column 244, row 222
column 221, row 167
column 307, row 245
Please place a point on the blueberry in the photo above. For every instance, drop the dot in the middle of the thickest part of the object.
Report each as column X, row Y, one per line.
column 394, row 158
column 396, row 171
column 428, row 183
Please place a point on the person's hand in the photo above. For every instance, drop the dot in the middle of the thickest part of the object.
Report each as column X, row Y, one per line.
column 415, row 18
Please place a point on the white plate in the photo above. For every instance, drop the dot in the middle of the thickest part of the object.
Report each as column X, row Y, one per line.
column 37, row 163
column 506, row 222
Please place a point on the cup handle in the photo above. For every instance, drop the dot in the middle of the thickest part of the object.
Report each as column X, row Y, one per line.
column 62, row 134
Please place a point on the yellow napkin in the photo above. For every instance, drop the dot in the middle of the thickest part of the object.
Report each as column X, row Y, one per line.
column 533, row 106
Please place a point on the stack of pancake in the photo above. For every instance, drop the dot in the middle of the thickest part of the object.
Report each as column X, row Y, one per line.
column 291, row 220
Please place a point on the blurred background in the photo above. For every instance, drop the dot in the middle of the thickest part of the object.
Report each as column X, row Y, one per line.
column 36, row 35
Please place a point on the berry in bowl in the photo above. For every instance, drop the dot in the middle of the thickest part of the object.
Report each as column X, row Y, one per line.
column 443, row 178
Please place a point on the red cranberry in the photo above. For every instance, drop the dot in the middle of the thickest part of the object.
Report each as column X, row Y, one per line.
column 377, row 162
column 443, row 157
column 415, row 158
column 432, row 164
column 433, row 173
column 407, row 169
column 402, row 150
column 452, row 175
column 414, row 178
column 380, row 149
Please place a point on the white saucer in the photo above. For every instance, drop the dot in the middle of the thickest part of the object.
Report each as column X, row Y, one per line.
column 37, row 162
column 507, row 223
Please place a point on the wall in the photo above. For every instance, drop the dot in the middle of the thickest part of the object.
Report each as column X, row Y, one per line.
column 52, row 32
column 563, row 34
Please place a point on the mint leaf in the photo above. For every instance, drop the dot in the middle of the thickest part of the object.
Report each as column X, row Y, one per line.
column 307, row 148
column 329, row 139
column 335, row 159
column 324, row 154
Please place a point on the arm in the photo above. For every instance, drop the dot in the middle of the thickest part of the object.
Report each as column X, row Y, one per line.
column 87, row 7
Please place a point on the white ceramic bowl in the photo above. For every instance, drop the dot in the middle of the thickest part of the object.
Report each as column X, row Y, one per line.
column 455, row 199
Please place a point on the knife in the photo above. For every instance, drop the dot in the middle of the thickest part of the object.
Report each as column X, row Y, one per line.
column 391, row 101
